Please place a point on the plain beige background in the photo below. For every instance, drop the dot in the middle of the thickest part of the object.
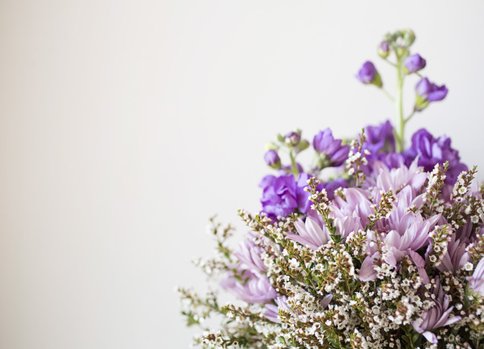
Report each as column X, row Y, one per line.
column 125, row 124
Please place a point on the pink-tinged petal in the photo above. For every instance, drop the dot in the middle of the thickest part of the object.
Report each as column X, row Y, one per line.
column 432, row 338
column 326, row 300
column 367, row 270
column 452, row 320
column 302, row 241
column 420, row 263
column 393, row 239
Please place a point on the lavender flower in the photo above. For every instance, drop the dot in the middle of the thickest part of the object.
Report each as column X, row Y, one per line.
column 272, row 309
column 333, row 152
column 310, row 233
column 476, row 281
column 428, row 92
column 250, row 256
column 369, row 75
column 272, row 159
column 254, row 288
column 414, row 63
column 351, row 213
column 455, row 257
column 437, row 316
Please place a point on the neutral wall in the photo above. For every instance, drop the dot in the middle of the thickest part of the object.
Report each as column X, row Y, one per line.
column 125, row 124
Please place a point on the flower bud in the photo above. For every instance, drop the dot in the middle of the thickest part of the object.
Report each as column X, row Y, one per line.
column 414, row 63
column 384, row 49
column 368, row 75
column 428, row 92
column 272, row 159
column 408, row 37
column 293, row 138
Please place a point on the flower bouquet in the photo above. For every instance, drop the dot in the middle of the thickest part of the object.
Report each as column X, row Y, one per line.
column 375, row 244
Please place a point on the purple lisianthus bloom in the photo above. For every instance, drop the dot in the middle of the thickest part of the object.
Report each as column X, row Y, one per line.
column 428, row 92
column 369, row 75
column 334, row 152
column 272, row 159
column 380, row 138
column 283, row 195
column 415, row 63
column 431, row 151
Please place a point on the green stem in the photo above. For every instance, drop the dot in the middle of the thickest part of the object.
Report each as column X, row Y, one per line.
column 400, row 134
column 294, row 169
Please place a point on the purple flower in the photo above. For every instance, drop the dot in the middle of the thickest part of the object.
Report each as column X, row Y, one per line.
column 254, row 288
column 437, row 316
column 380, row 138
column 415, row 63
column 272, row 309
column 455, row 257
column 249, row 256
column 272, row 159
column 334, row 152
column 428, row 92
column 248, row 281
column 351, row 213
column 369, row 75
column 331, row 186
column 431, row 151
column 310, row 233
column 397, row 179
column 476, row 281
column 282, row 195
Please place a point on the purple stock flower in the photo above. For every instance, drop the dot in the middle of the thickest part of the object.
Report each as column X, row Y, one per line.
column 428, row 92
column 333, row 150
column 331, row 186
column 437, row 316
column 476, row 281
column 431, row 151
column 415, row 63
column 369, row 75
column 272, row 159
column 283, row 195
column 380, row 138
